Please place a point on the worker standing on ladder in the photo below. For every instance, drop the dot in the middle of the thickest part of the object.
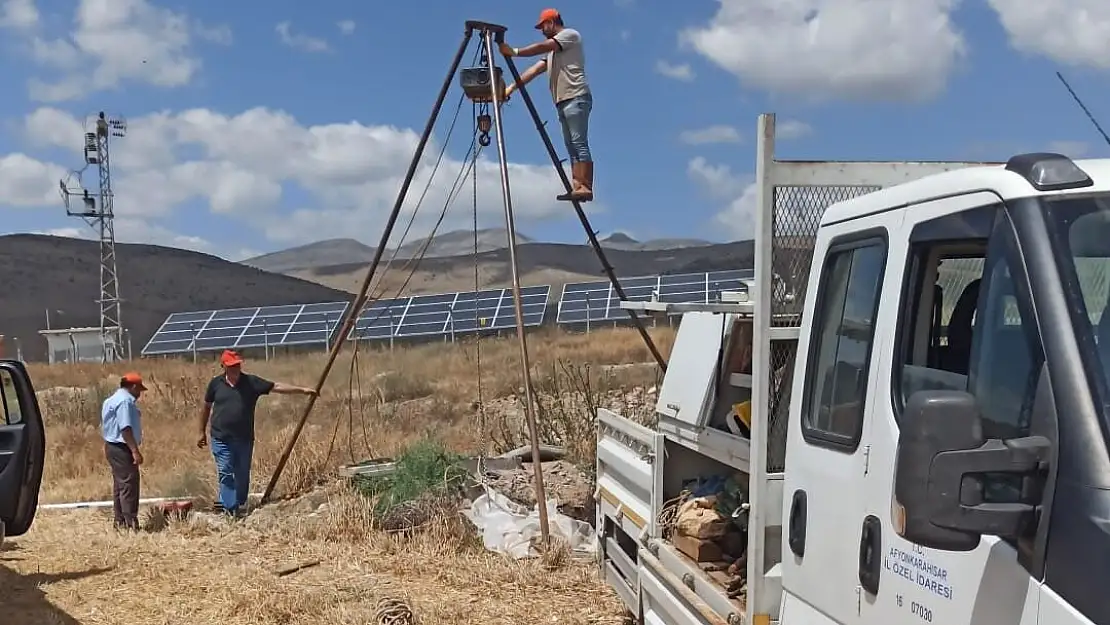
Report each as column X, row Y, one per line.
column 566, row 65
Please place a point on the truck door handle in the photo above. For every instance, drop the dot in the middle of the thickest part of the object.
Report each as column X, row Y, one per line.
column 797, row 524
column 870, row 553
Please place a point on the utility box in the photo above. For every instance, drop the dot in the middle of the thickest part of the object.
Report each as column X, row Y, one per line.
column 79, row 345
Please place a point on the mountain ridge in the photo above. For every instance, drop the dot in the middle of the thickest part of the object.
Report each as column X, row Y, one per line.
column 346, row 251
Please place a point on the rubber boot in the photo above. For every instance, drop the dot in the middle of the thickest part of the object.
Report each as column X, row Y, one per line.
column 576, row 183
column 585, row 178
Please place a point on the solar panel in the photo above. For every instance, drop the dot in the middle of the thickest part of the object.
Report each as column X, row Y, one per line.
column 449, row 313
column 235, row 328
column 583, row 302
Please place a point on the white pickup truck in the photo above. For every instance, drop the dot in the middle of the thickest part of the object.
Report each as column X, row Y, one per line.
column 927, row 432
column 22, row 449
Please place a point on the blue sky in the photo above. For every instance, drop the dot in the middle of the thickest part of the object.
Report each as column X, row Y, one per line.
column 255, row 126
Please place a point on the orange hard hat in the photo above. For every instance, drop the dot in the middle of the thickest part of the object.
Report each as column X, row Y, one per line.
column 133, row 379
column 545, row 15
column 230, row 358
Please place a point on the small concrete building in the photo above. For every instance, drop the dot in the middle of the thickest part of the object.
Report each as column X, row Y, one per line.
column 77, row 345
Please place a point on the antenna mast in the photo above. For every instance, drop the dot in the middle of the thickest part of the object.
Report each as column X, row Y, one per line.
column 97, row 211
column 1075, row 97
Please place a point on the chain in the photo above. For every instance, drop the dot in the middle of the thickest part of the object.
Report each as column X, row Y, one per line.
column 482, row 422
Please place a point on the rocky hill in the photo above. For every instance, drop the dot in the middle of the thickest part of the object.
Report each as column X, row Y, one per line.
column 540, row 263
column 450, row 264
column 331, row 253
column 61, row 275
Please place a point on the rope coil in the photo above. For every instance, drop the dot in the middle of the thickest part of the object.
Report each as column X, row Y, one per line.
column 392, row 611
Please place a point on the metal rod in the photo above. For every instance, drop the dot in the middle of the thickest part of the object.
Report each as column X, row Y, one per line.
column 360, row 299
column 518, row 309
column 582, row 214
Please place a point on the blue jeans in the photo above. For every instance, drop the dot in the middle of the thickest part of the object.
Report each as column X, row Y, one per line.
column 233, row 471
column 574, row 116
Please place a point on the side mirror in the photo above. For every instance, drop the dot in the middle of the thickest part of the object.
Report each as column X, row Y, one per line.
column 943, row 459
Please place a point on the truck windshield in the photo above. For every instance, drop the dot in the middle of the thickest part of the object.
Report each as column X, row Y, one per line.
column 1080, row 228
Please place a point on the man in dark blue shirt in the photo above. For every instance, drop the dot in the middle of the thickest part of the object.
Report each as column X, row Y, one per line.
column 229, row 403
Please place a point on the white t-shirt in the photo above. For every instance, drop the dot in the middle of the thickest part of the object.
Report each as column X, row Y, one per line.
column 566, row 66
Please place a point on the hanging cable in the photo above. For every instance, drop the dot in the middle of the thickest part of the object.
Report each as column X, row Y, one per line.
column 482, row 424
column 470, row 161
column 414, row 263
column 419, row 202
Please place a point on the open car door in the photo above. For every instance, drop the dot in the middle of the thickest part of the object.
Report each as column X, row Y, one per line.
column 22, row 449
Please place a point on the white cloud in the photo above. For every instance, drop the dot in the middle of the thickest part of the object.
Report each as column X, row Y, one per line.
column 792, row 129
column 346, row 27
column 710, row 134
column 1067, row 31
column 28, row 182
column 240, row 167
column 737, row 216
column 1072, row 149
column 854, row 49
column 681, row 72
column 220, row 34
column 299, row 41
column 717, row 181
column 139, row 231
column 114, row 42
column 18, row 14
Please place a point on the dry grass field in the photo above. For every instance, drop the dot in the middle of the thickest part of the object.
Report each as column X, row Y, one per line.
column 72, row 568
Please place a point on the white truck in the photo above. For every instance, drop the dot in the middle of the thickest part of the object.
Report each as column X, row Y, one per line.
column 928, row 433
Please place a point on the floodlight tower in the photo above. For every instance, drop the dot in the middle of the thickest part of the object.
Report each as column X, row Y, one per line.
column 98, row 213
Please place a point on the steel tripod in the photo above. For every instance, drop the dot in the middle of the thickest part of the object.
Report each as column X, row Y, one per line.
column 490, row 34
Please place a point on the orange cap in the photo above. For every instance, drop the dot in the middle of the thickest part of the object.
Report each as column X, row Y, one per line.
column 133, row 379
column 545, row 15
column 230, row 358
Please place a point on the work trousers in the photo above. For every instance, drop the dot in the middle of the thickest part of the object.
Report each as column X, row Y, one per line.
column 574, row 117
column 233, row 471
column 125, row 485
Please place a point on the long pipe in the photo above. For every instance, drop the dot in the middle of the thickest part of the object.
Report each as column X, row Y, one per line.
column 510, row 225
column 79, row 505
column 360, row 299
column 582, row 215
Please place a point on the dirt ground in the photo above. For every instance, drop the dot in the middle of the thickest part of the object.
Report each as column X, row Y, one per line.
column 72, row 568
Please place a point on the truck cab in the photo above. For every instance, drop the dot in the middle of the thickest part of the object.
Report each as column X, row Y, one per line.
column 920, row 434
column 22, row 449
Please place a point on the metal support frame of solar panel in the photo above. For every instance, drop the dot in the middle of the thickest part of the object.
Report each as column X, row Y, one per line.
column 588, row 302
column 242, row 328
column 447, row 314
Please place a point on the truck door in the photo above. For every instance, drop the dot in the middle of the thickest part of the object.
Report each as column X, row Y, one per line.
column 957, row 315
column 822, row 494
column 22, row 449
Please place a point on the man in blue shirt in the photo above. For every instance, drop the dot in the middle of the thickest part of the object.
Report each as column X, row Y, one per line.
column 121, row 428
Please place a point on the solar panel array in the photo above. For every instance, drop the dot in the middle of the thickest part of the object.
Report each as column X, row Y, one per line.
column 237, row 328
column 444, row 314
column 449, row 313
column 586, row 302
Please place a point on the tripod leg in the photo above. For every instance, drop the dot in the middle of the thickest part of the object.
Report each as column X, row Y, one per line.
column 510, row 225
column 582, row 215
column 360, row 299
